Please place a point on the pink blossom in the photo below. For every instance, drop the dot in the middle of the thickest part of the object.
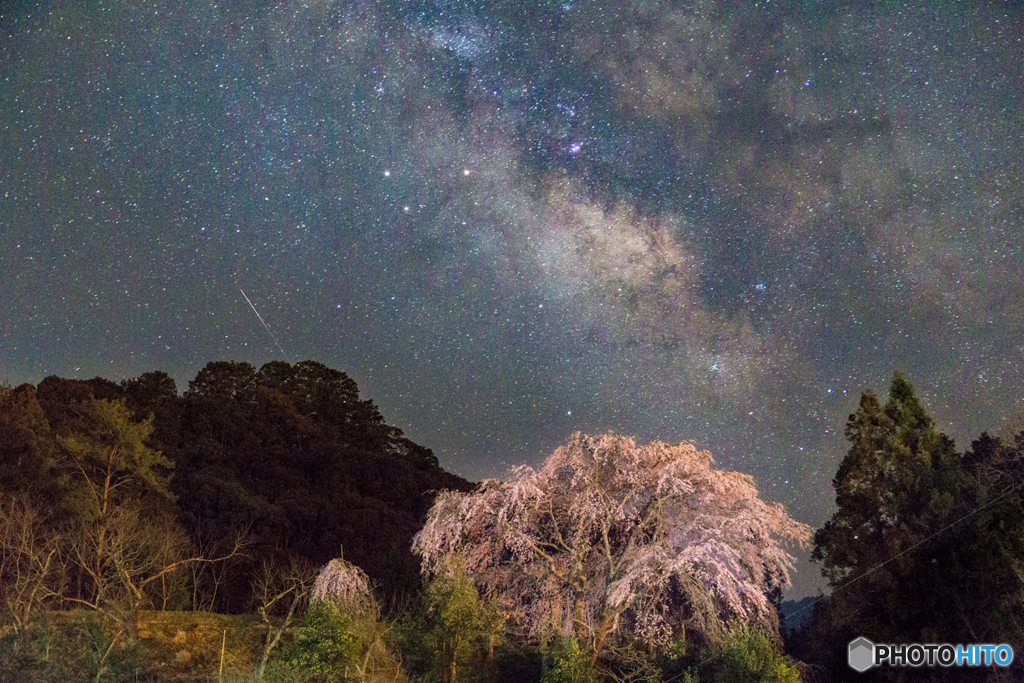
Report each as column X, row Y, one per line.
column 611, row 539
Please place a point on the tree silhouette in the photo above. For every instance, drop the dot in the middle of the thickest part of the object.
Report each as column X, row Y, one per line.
column 899, row 483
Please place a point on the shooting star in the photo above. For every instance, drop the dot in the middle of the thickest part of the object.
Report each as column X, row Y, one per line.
column 266, row 327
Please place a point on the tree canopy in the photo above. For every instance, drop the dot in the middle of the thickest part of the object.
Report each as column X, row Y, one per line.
column 288, row 454
column 898, row 484
column 611, row 539
column 925, row 545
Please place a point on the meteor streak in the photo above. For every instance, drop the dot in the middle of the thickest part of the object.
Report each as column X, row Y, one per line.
column 265, row 326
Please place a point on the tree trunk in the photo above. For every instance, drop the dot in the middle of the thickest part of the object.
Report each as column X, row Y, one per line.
column 271, row 643
column 603, row 631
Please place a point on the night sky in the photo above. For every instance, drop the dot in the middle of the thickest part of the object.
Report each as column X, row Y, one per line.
column 705, row 221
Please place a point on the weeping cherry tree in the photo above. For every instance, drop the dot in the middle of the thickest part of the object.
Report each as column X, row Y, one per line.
column 611, row 540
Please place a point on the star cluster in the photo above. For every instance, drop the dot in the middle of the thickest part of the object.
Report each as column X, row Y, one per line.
column 679, row 221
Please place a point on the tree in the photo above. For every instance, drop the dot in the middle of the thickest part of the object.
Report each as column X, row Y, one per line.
column 322, row 651
column 118, row 488
column 223, row 380
column 988, row 560
column 320, row 391
column 110, row 462
column 347, row 586
column 746, row 655
column 342, row 637
column 149, row 389
column 900, row 482
column 570, row 665
column 113, row 532
column 30, row 560
column 276, row 586
column 611, row 539
column 28, row 450
column 461, row 625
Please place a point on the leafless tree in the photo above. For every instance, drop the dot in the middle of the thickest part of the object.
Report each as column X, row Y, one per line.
column 280, row 588
column 125, row 556
column 206, row 578
column 31, row 562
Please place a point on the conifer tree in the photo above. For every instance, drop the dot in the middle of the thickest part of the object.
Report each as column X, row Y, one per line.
column 898, row 485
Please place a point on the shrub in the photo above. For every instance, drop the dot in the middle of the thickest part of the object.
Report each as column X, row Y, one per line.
column 746, row 656
column 571, row 665
column 322, row 651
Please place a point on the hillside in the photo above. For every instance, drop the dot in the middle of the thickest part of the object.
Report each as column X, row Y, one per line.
column 289, row 455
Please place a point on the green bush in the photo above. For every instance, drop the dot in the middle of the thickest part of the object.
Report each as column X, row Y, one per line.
column 746, row 656
column 571, row 665
column 451, row 633
column 321, row 651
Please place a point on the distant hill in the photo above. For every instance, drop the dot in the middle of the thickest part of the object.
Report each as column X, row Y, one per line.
column 289, row 454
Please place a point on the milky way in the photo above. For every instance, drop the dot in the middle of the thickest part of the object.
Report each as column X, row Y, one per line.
column 678, row 221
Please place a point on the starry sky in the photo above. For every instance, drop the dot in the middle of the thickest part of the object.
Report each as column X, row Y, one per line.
column 707, row 221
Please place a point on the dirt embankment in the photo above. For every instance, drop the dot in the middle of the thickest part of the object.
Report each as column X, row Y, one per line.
column 188, row 646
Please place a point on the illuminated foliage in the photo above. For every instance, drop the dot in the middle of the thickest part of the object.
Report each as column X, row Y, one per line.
column 612, row 539
column 898, row 485
column 346, row 585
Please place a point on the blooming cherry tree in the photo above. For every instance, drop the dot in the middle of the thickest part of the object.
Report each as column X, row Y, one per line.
column 610, row 538
column 347, row 586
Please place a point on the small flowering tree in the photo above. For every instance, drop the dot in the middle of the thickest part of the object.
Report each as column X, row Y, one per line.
column 328, row 648
column 611, row 539
column 344, row 637
column 347, row 586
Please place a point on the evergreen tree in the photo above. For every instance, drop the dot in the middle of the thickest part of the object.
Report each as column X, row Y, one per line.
column 899, row 484
column 28, row 448
column 988, row 560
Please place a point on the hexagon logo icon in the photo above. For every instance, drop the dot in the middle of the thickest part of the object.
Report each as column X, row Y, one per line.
column 861, row 654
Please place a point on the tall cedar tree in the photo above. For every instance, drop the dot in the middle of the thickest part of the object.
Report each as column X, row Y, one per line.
column 899, row 483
